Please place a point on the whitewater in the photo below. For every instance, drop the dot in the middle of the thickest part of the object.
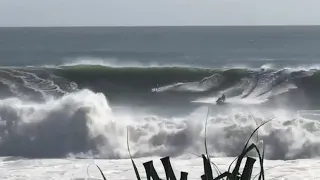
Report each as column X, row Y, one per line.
column 83, row 125
column 71, row 98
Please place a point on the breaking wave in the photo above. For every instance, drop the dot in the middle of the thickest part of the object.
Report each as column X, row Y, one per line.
column 150, row 83
column 83, row 124
column 72, row 111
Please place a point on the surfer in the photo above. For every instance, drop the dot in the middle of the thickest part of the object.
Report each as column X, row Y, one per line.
column 221, row 99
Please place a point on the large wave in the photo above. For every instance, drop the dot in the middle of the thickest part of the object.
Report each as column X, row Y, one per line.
column 155, row 84
column 70, row 110
column 83, row 124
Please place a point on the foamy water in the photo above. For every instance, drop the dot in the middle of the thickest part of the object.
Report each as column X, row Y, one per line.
column 71, row 169
column 83, row 124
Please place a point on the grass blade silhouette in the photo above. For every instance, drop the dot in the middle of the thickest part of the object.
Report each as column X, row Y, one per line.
column 133, row 164
column 245, row 146
column 205, row 144
column 104, row 178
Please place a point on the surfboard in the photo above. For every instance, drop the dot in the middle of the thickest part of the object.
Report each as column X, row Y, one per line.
column 211, row 103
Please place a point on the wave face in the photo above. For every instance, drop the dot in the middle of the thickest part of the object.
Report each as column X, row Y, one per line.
column 84, row 110
column 155, row 83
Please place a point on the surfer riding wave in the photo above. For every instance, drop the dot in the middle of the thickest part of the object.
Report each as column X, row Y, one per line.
column 221, row 99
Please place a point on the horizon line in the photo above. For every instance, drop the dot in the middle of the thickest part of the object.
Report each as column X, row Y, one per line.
column 131, row 26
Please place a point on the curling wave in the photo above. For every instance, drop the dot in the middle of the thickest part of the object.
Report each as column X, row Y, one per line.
column 157, row 84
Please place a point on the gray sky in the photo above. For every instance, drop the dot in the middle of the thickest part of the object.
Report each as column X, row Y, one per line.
column 158, row 12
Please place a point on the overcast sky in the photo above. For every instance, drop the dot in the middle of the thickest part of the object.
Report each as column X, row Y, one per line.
column 158, row 12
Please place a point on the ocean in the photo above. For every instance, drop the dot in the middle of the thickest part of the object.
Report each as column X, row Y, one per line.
column 69, row 95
